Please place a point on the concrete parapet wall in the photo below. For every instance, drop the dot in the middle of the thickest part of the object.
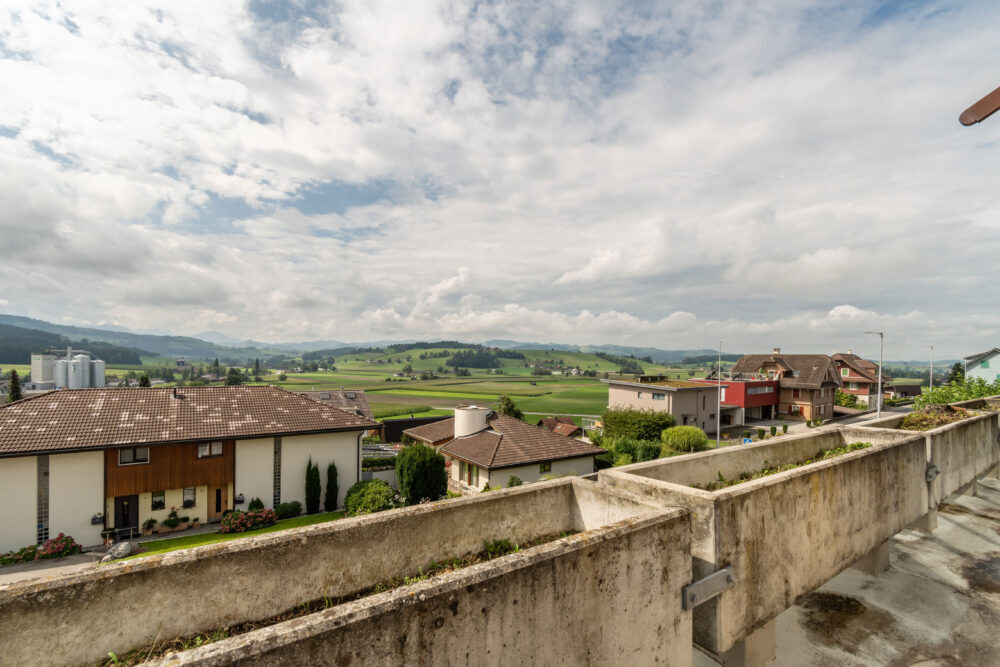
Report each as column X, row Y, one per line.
column 785, row 534
column 961, row 451
column 126, row 604
column 605, row 599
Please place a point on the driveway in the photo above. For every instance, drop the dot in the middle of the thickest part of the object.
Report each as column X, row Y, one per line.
column 48, row 567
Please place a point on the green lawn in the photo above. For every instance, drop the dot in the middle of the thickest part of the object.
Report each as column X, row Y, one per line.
column 188, row 541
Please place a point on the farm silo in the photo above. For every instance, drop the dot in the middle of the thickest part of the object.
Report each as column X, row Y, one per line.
column 60, row 373
column 97, row 373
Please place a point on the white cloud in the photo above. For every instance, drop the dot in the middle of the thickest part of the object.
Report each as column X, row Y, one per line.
column 590, row 172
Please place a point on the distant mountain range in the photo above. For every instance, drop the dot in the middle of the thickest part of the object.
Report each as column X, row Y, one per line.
column 212, row 344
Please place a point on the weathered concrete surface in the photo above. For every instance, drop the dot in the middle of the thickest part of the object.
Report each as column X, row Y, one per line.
column 962, row 451
column 788, row 533
column 938, row 605
column 608, row 597
column 122, row 605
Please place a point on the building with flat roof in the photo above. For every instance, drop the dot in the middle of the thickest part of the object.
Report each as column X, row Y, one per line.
column 691, row 403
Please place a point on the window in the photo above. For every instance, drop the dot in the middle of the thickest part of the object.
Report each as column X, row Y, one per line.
column 131, row 455
column 852, row 385
column 758, row 390
column 702, row 402
column 189, row 497
column 795, row 409
column 795, row 393
column 206, row 449
column 638, row 394
column 159, row 501
column 659, row 397
column 844, row 372
column 712, row 416
column 544, row 467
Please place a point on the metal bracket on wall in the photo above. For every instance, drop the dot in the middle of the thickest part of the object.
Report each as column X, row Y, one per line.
column 708, row 587
column 932, row 472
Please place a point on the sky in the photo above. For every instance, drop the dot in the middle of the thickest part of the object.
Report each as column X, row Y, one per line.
column 765, row 174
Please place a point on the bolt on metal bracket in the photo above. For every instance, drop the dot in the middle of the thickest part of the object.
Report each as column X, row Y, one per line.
column 708, row 587
column 932, row 472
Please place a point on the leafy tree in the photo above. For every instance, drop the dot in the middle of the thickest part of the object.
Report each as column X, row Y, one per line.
column 846, row 400
column 330, row 499
column 685, row 439
column 635, row 423
column 369, row 495
column 234, row 377
column 630, row 450
column 952, row 393
column 506, row 406
column 421, row 474
column 312, row 487
column 14, row 391
column 144, row 380
column 957, row 374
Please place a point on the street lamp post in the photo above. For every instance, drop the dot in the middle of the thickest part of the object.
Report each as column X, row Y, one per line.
column 881, row 338
column 718, row 393
column 932, row 366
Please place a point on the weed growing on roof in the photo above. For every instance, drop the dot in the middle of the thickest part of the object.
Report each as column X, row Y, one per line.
column 932, row 416
column 821, row 455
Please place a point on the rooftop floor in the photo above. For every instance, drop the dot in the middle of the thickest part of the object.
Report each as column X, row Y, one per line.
column 937, row 604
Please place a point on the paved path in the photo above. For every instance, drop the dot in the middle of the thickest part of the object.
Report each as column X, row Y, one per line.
column 48, row 567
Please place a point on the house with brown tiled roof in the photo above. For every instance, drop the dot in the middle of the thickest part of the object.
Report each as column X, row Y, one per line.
column 561, row 425
column 807, row 382
column 79, row 461
column 482, row 447
column 860, row 376
column 348, row 400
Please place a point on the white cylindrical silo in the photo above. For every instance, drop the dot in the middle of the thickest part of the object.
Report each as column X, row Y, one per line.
column 60, row 373
column 97, row 373
column 75, row 373
column 471, row 419
column 84, row 362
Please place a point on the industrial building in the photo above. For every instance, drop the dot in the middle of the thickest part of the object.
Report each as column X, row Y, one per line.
column 78, row 369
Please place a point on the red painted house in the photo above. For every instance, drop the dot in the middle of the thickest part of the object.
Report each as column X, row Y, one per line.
column 747, row 400
column 860, row 376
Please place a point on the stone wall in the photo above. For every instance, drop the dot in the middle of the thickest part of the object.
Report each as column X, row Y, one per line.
column 127, row 604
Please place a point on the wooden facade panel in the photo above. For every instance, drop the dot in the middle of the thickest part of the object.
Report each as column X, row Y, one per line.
column 169, row 467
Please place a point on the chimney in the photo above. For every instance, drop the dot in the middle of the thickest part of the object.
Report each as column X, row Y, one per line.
column 174, row 392
column 471, row 419
column 850, row 352
column 776, row 350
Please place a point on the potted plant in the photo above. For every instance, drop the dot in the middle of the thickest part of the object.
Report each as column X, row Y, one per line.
column 194, row 522
column 185, row 522
column 774, row 429
column 148, row 525
column 172, row 520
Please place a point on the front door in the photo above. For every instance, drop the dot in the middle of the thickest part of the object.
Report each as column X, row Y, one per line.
column 216, row 502
column 126, row 512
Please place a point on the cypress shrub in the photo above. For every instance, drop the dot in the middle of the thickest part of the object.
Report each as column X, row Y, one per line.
column 421, row 474
column 332, row 488
column 312, row 487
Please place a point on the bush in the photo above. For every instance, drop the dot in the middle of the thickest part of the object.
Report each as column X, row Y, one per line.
column 240, row 522
column 784, row 428
column 312, row 487
column 746, row 434
column 149, row 524
column 421, row 474
column 256, row 504
column 370, row 495
column 378, row 463
column 635, row 424
column 57, row 547
column 172, row 521
column 605, row 460
column 332, row 488
column 506, row 406
column 513, row 481
column 774, row 430
column 288, row 510
column 760, row 434
column 596, row 437
column 685, row 439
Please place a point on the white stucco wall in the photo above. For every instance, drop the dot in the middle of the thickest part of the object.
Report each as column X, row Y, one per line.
column 255, row 470
column 341, row 448
column 19, row 498
column 583, row 465
column 76, row 493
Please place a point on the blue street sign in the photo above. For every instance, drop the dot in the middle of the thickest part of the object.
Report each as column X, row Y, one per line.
column 747, row 441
